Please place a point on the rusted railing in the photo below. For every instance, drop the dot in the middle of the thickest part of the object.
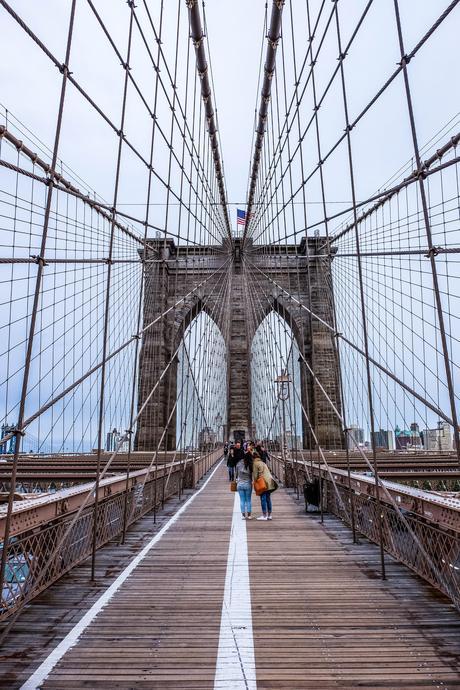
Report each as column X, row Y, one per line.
column 420, row 529
column 49, row 536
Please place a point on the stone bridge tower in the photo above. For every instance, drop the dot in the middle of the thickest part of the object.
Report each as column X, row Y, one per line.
column 283, row 273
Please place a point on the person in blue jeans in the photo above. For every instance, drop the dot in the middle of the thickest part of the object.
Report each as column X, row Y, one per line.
column 244, row 485
column 266, row 504
column 260, row 469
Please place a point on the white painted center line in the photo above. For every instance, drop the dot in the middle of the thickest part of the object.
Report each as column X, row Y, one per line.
column 37, row 679
column 235, row 667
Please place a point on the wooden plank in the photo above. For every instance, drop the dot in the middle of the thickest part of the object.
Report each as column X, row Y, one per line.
column 322, row 618
column 171, row 602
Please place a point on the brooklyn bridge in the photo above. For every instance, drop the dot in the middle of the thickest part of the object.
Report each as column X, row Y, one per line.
column 225, row 223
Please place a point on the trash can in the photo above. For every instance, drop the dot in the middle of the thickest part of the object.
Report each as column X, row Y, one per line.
column 311, row 496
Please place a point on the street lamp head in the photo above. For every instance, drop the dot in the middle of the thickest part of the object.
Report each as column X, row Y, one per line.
column 283, row 378
column 283, row 382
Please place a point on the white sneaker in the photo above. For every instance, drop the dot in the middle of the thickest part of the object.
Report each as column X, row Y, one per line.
column 262, row 517
column 249, row 517
column 269, row 517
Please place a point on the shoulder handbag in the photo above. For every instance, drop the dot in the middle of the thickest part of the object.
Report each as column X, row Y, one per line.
column 233, row 486
column 260, row 486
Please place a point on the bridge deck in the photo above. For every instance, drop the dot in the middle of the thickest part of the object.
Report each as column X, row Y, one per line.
column 320, row 615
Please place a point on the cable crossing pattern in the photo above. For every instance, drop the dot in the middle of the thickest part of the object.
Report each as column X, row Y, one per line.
column 140, row 331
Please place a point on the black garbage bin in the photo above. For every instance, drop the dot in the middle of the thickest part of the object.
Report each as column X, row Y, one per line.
column 311, row 495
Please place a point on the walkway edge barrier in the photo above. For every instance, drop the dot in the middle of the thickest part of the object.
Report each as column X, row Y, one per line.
column 434, row 519
column 39, row 524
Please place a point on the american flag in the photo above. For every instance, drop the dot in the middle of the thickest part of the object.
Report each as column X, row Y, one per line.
column 240, row 217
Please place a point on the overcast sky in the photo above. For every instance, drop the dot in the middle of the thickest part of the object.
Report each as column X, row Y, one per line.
column 30, row 86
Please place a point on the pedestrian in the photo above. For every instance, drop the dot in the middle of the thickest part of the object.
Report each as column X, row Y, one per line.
column 236, row 454
column 244, row 485
column 260, row 448
column 260, row 469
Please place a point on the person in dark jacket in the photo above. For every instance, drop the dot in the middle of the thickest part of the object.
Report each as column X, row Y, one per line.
column 236, row 454
column 230, row 465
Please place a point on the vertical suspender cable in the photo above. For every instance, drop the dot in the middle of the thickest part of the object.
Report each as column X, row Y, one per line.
column 362, row 298
column 19, row 431
column 431, row 249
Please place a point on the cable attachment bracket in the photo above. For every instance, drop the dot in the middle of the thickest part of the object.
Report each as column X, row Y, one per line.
column 17, row 431
column 405, row 60
column 39, row 260
column 433, row 251
column 64, row 70
column 273, row 42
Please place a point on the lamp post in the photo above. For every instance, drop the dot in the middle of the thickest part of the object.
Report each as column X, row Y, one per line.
column 438, row 434
column 218, row 425
column 283, row 382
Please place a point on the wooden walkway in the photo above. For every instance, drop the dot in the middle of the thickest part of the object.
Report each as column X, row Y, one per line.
column 320, row 615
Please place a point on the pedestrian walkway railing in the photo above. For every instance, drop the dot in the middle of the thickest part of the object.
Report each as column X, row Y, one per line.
column 48, row 473
column 420, row 529
column 52, row 533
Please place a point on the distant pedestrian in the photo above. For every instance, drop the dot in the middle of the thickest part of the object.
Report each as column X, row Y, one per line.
column 260, row 469
column 244, row 485
column 261, row 450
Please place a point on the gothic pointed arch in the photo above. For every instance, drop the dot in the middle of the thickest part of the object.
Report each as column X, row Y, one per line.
column 275, row 351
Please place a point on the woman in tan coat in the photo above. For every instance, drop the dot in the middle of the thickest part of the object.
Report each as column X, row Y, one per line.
column 260, row 469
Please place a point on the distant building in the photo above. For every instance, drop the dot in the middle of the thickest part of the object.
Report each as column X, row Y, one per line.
column 430, row 439
column 391, row 439
column 206, row 438
column 355, row 437
column 416, row 437
column 438, row 439
column 9, row 446
column 403, row 439
column 383, row 439
column 112, row 442
column 446, row 439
